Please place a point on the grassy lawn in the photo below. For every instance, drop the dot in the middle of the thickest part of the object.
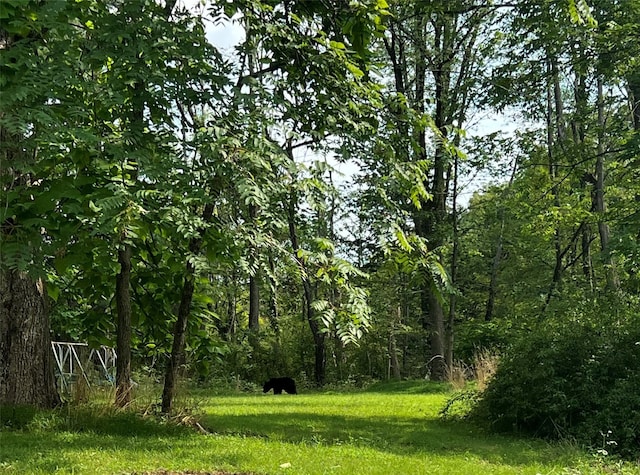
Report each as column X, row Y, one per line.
column 390, row 429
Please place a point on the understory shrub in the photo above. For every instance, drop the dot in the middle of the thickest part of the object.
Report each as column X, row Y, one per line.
column 575, row 377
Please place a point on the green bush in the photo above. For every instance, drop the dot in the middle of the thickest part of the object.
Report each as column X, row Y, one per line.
column 576, row 378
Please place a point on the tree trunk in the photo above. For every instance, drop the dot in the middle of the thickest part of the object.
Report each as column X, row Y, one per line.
column 254, row 304
column 497, row 258
column 613, row 282
column 436, row 208
column 587, row 262
column 554, row 98
column 123, row 294
column 273, row 299
column 232, row 317
column 451, row 41
column 123, row 343
column 634, row 98
column 449, row 330
column 394, row 364
column 180, row 328
column 320, row 359
column 432, row 309
column 320, row 352
column 179, row 338
column 579, row 135
column 26, row 360
column 254, row 288
column 495, row 266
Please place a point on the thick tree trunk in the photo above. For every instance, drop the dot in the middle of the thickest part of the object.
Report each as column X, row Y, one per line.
column 26, row 359
column 451, row 41
column 432, row 309
column 434, row 317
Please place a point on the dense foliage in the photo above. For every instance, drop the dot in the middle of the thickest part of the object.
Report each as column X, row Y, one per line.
column 572, row 377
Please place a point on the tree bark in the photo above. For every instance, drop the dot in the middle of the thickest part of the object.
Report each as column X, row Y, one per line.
column 587, row 262
column 232, row 317
column 633, row 83
column 273, row 299
column 179, row 338
column 26, row 360
column 449, row 329
column 123, row 337
column 182, row 319
column 254, row 288
column 579, row 135
column 254, row 304
column 394, row 364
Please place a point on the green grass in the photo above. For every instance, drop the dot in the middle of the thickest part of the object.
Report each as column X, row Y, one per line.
column 387, row 429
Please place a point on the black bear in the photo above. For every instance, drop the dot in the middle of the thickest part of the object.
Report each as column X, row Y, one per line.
column 278, row 384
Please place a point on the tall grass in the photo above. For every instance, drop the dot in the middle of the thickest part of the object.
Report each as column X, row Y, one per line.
column 457, row 374
column 485, row 363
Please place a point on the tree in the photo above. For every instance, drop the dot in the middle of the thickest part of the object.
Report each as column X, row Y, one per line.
column 310, row 90
column 26, row 374
column 431, row 50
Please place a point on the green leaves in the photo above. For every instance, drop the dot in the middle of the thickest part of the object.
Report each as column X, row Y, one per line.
column 580, row 13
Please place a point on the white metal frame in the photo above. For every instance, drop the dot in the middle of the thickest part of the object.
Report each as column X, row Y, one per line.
column 69, row 362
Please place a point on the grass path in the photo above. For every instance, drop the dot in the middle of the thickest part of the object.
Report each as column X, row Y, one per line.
column 394, row 430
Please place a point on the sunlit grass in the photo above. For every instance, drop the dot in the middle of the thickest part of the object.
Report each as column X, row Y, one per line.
column 388, row 429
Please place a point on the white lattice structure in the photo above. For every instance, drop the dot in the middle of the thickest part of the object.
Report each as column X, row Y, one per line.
column 75, row 360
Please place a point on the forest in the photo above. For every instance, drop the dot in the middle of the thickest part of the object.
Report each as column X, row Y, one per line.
column 339, row 191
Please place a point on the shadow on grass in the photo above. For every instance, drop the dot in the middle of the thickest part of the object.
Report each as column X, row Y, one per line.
column 399, row 436
column 38, row 441
column 105, row 421
column 64, row 452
